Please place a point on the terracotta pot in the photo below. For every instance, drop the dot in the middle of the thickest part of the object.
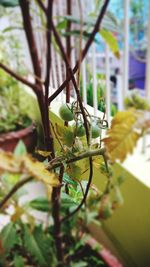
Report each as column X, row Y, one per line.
column 8, row 141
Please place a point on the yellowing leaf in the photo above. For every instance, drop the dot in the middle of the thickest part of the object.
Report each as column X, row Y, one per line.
column 38, row 171
column 122, row 136
column 111, row 41
column 7, row 162
column 65, row 134
column 29, row 166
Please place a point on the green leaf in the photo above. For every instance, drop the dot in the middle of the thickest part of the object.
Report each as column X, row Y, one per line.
column 37, row 245
column 41, row 204
column 45, row 243
column 67, row 201
column 79, row 264
column 20, row 149
column 9, row 237
column 18, row 261
column 62, row 25
column 68, row 180
column 10, row 179
column 111, row 41
column 9, row 3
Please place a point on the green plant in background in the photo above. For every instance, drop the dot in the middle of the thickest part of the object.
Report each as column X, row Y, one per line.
column 13, row 117
column 134, row 100
column 101, row 89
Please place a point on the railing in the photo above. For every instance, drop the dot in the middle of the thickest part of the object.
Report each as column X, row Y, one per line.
column 105, row 62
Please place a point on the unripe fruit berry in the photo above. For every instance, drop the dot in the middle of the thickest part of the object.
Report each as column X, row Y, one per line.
column 66, row 113
column 79, row 130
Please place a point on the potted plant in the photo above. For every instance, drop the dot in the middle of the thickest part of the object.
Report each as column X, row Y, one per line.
column 69, row 202
column 15, row 124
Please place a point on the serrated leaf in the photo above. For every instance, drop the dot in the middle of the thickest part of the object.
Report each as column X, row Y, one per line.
column 18, row 261
column 41, row 204
column 111, row 41
column 37, row 246
column 9, row 237
column 45, row 243
column 79, row 264
column 20, row 149
column 68, row 180
column 30, row 167
column 9, row 3
column 38, row 171
column 66, row 135
column 122, row 136
column 67, row 201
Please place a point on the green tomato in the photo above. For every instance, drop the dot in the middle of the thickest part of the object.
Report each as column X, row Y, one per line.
column 65, row 112
column 95, row 131
column 79, row 130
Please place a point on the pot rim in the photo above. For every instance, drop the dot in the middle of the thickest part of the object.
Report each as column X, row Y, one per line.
column 20, row 133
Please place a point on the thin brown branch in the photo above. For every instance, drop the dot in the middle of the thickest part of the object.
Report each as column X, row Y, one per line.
column 25, row 9
column 14, row 190
column 48, row 54
column 34, row 87
column 57, row 220
column 42, row 6
column 91, row 153
column 85, row 50
column 80, row 40
column 49, row 137
column 68, row 49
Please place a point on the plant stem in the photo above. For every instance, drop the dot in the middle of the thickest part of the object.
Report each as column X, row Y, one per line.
column 48, row 54
column 25, row 9
column 68, row 49
column 42, row 6
column 24, row 4
column 57, row 221
column 49, row 138
column 14, row 190
column 34, row 87
column 87, row 154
